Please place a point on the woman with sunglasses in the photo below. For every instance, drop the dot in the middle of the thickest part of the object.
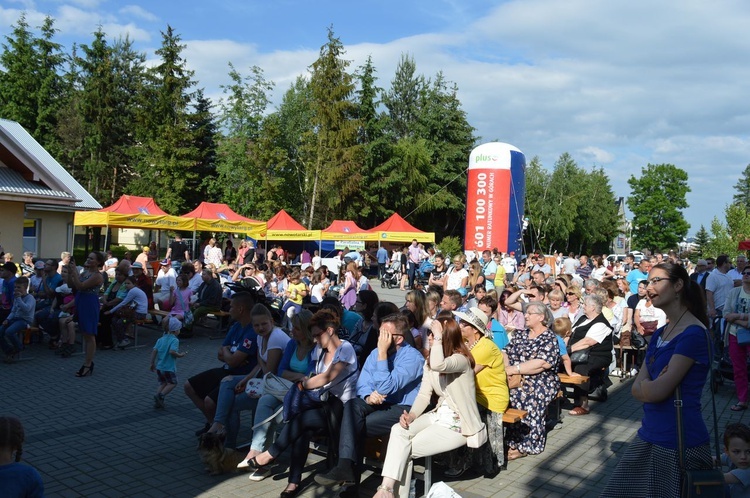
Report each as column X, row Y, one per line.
column 678, row 356
column 456, row 277
column 448, row 373
column 335, row 367
column 573, row 296
column 738, row 305
column 532, row 352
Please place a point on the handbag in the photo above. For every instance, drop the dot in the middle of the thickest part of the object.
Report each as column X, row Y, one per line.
column 187, row 316
column 637, row 340
column 276, row 386
column 514, row 380
column 254, row 387
column 699, row 483
column 743, row 336
column 580, row 356
column 649, row 327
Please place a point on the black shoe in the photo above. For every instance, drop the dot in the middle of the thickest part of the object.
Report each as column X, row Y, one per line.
column 337, row 475
column 350, row 492
column 205, row 429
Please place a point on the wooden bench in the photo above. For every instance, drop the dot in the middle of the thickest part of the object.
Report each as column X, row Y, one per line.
column 223, row 318
column 556, row 406
column 510, row 417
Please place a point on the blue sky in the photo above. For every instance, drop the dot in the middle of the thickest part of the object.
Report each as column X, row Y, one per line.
column 618, row 85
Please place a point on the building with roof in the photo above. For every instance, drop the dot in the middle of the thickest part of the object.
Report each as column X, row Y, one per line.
column 38, row 197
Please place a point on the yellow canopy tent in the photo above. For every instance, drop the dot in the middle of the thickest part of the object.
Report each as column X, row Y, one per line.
column 397, row 229
column 217, row 217
column 283, row 227
column 131, row 211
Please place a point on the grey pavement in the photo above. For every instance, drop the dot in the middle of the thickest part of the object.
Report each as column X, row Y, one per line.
column 101, row 436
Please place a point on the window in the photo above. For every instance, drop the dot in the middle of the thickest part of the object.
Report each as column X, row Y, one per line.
column 31, row 236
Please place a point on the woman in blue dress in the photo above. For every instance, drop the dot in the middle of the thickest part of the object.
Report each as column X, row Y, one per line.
column 678, row 356
column 86, row 286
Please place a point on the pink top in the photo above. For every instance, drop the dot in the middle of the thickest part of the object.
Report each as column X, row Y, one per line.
column 178, row 309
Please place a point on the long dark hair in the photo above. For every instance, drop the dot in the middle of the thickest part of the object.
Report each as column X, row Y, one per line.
column 691, row 294
column 453, row 341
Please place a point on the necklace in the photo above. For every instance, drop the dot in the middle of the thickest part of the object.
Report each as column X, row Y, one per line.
column 471, row 346
column 664, row 337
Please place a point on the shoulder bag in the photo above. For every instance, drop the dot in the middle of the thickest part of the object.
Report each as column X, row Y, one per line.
column 514, row 380
column 743, row 334
column 703, row 483
column 579, row 357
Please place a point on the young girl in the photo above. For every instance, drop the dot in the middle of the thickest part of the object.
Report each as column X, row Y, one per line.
column 179, row 301
column 16, row 479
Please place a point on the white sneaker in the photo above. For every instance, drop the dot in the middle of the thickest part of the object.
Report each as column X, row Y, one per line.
column 616, row 372
column 123, row 344
column 633, row 372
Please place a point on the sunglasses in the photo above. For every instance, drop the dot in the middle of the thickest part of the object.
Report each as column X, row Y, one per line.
column 745, row 273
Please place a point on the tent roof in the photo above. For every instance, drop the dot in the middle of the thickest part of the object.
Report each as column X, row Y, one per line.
column 131, row 204
column 283, row 221
column 218, row 217
column 744, row 245
column 347, row 230
column 215, row 211
column 398, row 229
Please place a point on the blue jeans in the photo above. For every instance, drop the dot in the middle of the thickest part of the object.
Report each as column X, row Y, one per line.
column 9, row 340
column 229, row 405
column 267, row 404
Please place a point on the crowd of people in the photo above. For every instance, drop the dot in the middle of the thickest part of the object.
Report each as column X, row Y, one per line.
column 484, row 333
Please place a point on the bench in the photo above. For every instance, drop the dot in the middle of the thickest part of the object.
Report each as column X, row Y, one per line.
column 223, row 318
column 510, row 417
column 556, row 406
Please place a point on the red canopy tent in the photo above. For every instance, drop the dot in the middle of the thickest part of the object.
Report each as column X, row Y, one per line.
column 218, row 217
column 744, row 245
column 346, row 230
column 397, row 229
column 281, row 226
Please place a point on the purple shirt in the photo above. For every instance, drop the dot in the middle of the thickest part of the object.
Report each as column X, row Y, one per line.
column 415, row 253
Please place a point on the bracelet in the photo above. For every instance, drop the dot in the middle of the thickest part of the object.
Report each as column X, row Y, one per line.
column 387, row 490
column 518, row 366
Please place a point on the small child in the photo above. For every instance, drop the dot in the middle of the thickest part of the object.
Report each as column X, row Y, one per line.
column 20, row 318
column 737, row 458
column 16, row 479
column 166, row 350
column 563, row 327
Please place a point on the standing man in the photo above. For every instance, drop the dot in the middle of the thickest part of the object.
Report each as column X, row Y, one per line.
column 638, row 274
column 510, row 264
column 386, row 388
column 736, row 273
column 489, row 270
column 718, row 285
column 570, row 264
column 701, row 273
column 382, row 256
column 178, row 252
column 415, row 255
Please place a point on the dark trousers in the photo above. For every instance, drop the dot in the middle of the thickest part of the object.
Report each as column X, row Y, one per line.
column 297, row 433
column 381, row 270
column 412, row 271
column 361, row 421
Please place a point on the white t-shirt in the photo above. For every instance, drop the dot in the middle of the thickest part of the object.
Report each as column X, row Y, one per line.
column 509, row 264
column 651, row 313
column 597, row 332
column 598, row 273
column 316, row 262
column 570, row 265
column 277, row 339
column 316, row 294
column 720, row 284
column 455, row 277
column 342, row 389
column 166, row 280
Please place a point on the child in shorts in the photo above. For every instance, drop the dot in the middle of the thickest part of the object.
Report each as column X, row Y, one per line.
column 563, row 327
column 16, row 478
column 737, row 458
column 163, row 363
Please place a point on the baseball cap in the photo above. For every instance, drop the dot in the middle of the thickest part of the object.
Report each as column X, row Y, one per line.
column 164, row 262
column 137, row 265
column 39, row 265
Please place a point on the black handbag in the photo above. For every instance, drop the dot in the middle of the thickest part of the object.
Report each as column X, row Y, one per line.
column 699, row 483
column 637, row 340
column 580, row 356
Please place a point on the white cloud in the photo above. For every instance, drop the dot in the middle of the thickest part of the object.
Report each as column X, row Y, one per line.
column 137, row 11
column 597, row 156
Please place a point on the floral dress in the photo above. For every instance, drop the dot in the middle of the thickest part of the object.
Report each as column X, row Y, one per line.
column 536, row 392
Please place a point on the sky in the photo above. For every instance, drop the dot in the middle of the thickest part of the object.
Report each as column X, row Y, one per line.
column 616, row 84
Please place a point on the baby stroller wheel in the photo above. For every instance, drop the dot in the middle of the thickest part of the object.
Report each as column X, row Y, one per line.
column 382, row 284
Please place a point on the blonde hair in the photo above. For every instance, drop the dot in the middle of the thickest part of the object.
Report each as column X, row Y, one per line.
column 562, row 326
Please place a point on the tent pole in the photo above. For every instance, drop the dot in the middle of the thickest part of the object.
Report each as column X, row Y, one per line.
column 194, row 257
column 106, row 237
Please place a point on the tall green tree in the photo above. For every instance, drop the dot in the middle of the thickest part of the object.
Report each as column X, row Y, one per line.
column 167, row 159
column 204, row 129
column 405, row 97
column 656, row 200
column 742, row 188
column 18, row 83
column 50, row 89
column 336, row 171
column 597, row 221
column 702, row 238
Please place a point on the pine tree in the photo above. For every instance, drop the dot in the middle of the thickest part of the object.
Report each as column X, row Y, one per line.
column 742, row 187
column 18, row 83
column 701, row 240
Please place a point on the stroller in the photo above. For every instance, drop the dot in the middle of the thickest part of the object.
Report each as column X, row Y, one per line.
column 722, row 363
column 391, row 276
column 422, row 277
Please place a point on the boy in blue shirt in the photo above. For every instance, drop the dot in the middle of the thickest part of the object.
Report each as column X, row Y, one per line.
column 163, row 362
column 737, row 458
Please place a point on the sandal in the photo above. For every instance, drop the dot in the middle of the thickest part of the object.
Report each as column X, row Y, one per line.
column 578, row 410
column 738, row 407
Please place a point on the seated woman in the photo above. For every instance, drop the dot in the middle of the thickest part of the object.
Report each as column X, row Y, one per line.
column 133, row 307
column 179, row 301
column 533, row 353
column 336, row 370
column 593, row 332
column 113, row 296
column 509, row 317
column 296, row 291
column 232, row 399
column 449, row 373
column 296, row 363
column 491, row 394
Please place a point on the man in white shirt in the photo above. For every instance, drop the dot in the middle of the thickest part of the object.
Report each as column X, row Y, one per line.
column 570, row 264
column 736, row 273
column 718, row 285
